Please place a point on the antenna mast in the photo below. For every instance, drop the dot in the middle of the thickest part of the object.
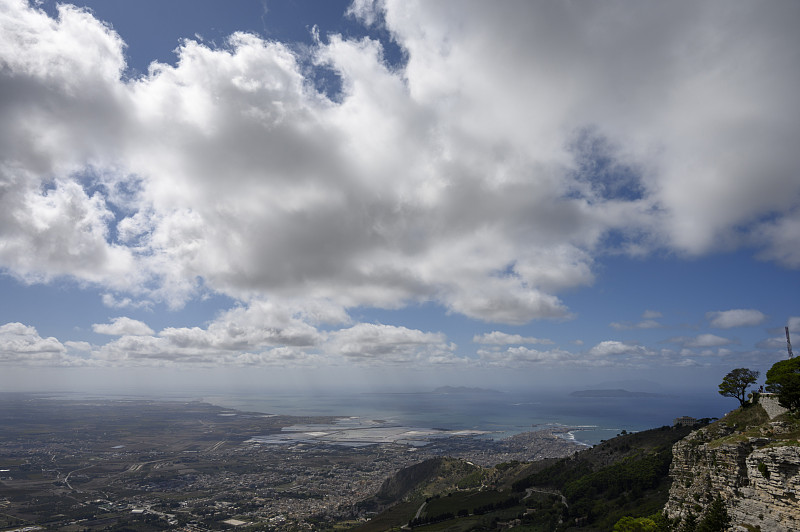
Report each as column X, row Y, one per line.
column 788, row 343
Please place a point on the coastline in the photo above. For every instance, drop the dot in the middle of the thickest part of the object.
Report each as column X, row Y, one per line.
column 500, row 415
column 496, row 416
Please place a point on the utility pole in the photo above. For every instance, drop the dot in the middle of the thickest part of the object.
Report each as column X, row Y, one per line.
column 788, row 343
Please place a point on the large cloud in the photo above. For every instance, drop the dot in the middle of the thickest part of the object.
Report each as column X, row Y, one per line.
column 484, row 175
column 61, row 112
column 694, row 95
column 262, row 332
column 275, row 333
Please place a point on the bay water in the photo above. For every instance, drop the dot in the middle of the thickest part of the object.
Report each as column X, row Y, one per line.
column 590, row 419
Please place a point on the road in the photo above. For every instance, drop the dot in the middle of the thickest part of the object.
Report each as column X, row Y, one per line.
column 66, row 479
column 419, row 510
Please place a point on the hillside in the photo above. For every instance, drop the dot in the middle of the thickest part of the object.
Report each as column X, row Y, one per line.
column 627, row 475
column 743, row 469
column 425, row 478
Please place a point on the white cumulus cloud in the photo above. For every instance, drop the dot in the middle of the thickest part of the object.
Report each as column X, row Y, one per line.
column 728, row 319
column 702, row 340
column 520, row 357
column 21, row 344
column 614, row 348
column 501, row 338
column 122, row 326
column 368, row 343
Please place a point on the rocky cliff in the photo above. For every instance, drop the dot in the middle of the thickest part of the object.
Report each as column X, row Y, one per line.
column 752, row 462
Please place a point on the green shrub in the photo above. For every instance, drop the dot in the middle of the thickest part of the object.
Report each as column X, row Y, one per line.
column 762, row 468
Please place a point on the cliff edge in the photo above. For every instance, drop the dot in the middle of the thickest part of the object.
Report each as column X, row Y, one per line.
column 750, row 460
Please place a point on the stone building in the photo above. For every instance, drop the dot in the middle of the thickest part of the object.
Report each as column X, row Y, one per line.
column 687, row 421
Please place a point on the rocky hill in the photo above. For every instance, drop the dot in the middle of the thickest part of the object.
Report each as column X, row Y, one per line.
column 740, row 473
column 750, row 460
column 591, row 490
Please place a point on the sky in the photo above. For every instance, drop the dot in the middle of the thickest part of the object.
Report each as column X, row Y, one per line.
column 386, row 194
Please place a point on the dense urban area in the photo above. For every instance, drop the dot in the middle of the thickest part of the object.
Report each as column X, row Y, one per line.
column 146, row 465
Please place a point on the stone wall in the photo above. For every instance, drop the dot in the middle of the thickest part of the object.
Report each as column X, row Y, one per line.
column 770, row 404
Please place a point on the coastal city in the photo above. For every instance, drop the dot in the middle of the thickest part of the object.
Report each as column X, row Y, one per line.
column 92, row 465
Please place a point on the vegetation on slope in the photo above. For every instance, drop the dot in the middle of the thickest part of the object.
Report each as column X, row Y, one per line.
column 625, row 476
column 592, row 490
column 752, row 421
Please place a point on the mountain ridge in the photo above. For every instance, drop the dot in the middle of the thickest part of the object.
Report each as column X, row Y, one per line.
column 616, row 392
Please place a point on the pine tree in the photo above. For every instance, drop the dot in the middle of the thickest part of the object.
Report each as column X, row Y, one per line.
column 716, row 518
column 689, row 523
column 736, row 382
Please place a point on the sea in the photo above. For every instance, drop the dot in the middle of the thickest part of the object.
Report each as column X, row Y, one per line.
column 589, row 420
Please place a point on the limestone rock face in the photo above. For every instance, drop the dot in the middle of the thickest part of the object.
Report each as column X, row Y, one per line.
column 773, row 493
column 757, row 477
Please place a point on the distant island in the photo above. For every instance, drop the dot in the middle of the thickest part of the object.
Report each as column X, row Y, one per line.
column 613, row 393
column 462, row 390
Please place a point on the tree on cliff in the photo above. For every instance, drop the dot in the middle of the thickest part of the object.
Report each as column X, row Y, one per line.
column 635, row 524
column 716, row 518
column 653, row 523
column 736, row 382
column 689, row 523
column 783, row 378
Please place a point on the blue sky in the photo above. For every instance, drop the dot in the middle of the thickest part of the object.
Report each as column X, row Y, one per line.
column 384, row 194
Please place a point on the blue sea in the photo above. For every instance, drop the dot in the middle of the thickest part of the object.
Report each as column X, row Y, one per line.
column 501, row 414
